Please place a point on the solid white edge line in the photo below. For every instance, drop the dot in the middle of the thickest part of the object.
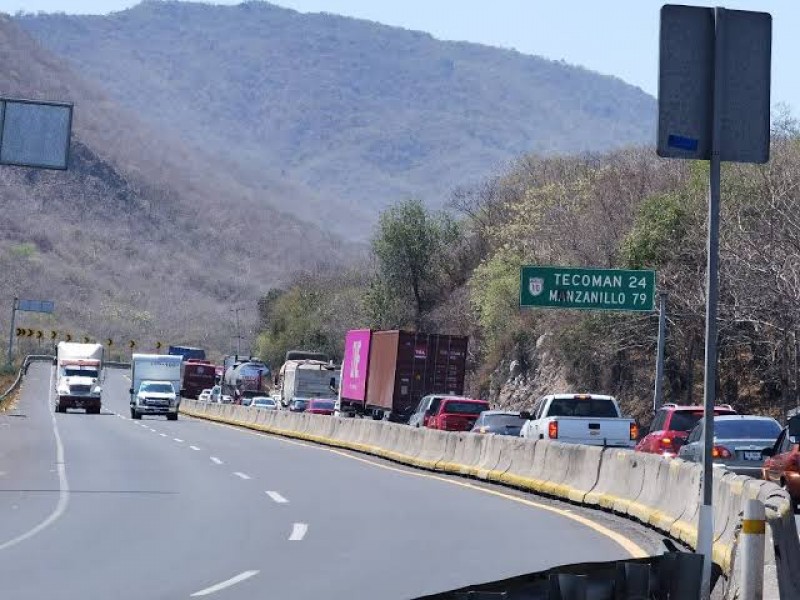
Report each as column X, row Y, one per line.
column 215, row 460
column 276, row 497
column 242, row 475
column 63, row 484
column 299, row 531
column 226, row 584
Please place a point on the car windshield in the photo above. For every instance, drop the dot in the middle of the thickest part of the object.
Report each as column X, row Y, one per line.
column 321, row 404
column 684, row 420
column 746, row 429
column 300, row 403
column 157, row 388
column 264, row 401
column 463, row 408
column 80, row 372
column 501, row 421
column 582, row 407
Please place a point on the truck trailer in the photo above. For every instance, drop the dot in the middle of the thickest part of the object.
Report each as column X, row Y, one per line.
column 78, row 371
column 196, row 376
column 386, row 373
column 307, row 379
column 155, row 385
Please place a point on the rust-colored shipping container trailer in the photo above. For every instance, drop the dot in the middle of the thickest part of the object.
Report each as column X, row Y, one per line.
column 401, row 368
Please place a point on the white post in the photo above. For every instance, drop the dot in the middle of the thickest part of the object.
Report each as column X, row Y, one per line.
column 751, row 551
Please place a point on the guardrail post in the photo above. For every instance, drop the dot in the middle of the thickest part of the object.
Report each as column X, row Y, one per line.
column 751, row 551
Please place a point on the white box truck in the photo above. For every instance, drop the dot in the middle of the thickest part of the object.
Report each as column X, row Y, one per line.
column 155, row 385
column 78, row 371
column 308, row 379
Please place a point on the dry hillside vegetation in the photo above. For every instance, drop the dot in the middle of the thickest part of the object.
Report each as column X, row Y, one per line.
column 360, row 113
column 141, row 237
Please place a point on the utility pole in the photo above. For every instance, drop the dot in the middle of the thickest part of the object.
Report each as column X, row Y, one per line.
column 238, row 332
column 11, row 333
column 658, row 392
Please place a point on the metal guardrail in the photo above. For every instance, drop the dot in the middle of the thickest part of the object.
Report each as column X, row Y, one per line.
column 670, row 575
column 23, row 370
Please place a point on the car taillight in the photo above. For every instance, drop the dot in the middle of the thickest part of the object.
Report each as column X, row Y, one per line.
column 666, row 442
column 442, row 423
column 720, row 452
column 552, row 430
column 634, row 430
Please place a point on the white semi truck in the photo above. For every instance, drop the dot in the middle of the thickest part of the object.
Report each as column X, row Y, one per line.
column 78, row 371
column 307, row 379
column 155, row 385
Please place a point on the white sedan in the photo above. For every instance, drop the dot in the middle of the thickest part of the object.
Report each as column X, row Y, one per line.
column 265, row 402
column 205, row 396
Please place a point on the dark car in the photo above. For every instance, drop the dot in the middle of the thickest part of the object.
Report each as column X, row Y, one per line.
column 298, row 405
column 782, row 464
column 499, row 422
column 319, row 406
column 671, row 427
column 739, row 441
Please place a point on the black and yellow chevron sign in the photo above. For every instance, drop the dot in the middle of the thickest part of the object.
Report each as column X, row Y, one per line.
column 29, row 333
column 39, row 334
column 20, row 331
column 159, row 345
column 131, row 344
column 109, row 342
column 53, row 335
column 68, row 337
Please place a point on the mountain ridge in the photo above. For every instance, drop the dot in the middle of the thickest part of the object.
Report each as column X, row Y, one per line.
column 358, row 114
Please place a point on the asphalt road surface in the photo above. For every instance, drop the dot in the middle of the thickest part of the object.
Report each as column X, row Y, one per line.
column 101, row 506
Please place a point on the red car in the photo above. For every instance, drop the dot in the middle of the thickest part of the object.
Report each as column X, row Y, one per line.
column 782, row 465
column 671, row 427
column 456, row 414
column 317, row 406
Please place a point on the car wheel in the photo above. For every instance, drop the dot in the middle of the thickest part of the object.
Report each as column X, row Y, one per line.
column 135, row 415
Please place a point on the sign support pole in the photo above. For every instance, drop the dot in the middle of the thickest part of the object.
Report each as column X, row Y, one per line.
column 11, row 333
column 658, row 392
column 705, row 540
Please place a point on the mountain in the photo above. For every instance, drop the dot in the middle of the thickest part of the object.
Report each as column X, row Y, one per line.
column 142, row 237
column 355, row 114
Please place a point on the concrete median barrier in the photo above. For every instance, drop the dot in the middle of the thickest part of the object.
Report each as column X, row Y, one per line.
column 661, row 493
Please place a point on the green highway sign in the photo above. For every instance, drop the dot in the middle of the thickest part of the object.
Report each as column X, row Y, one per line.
column 590, row 289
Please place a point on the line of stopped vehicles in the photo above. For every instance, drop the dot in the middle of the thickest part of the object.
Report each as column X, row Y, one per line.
column 418, row 379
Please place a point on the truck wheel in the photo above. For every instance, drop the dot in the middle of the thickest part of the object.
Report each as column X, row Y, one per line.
column 135, row 415
column 171, row 417
column 93, row 411
column 60, row 407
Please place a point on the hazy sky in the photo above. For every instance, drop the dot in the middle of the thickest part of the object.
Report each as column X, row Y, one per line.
column 617, row 37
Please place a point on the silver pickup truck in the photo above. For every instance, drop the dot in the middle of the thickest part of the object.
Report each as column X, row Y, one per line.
column 579, row 419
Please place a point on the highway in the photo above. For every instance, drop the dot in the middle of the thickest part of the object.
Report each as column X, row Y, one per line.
column 101, row 506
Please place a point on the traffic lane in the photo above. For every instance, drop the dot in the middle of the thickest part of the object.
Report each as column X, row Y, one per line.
column 146, row 519
column 29, row 480
column 368, row 521
column 361, row 516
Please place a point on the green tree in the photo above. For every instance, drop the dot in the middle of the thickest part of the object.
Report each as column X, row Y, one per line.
column 412, row 246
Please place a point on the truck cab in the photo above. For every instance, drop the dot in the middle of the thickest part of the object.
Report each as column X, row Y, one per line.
column 155, row 385
column 78, row 376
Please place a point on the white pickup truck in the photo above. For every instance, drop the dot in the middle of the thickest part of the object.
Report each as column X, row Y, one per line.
column 579, row 419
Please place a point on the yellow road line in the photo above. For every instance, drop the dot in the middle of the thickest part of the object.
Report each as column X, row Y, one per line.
column 633, row 549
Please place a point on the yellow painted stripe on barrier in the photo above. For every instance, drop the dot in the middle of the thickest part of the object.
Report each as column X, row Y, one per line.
column 722, row 552
column 754, row 526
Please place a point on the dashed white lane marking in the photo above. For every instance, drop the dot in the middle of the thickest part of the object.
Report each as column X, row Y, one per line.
column 194, row 447
column 215, row 460
column 163, row 434
column 226, row 584
column 242, row 475
column 179, row 440
column 277, row 497
column 298, row 532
